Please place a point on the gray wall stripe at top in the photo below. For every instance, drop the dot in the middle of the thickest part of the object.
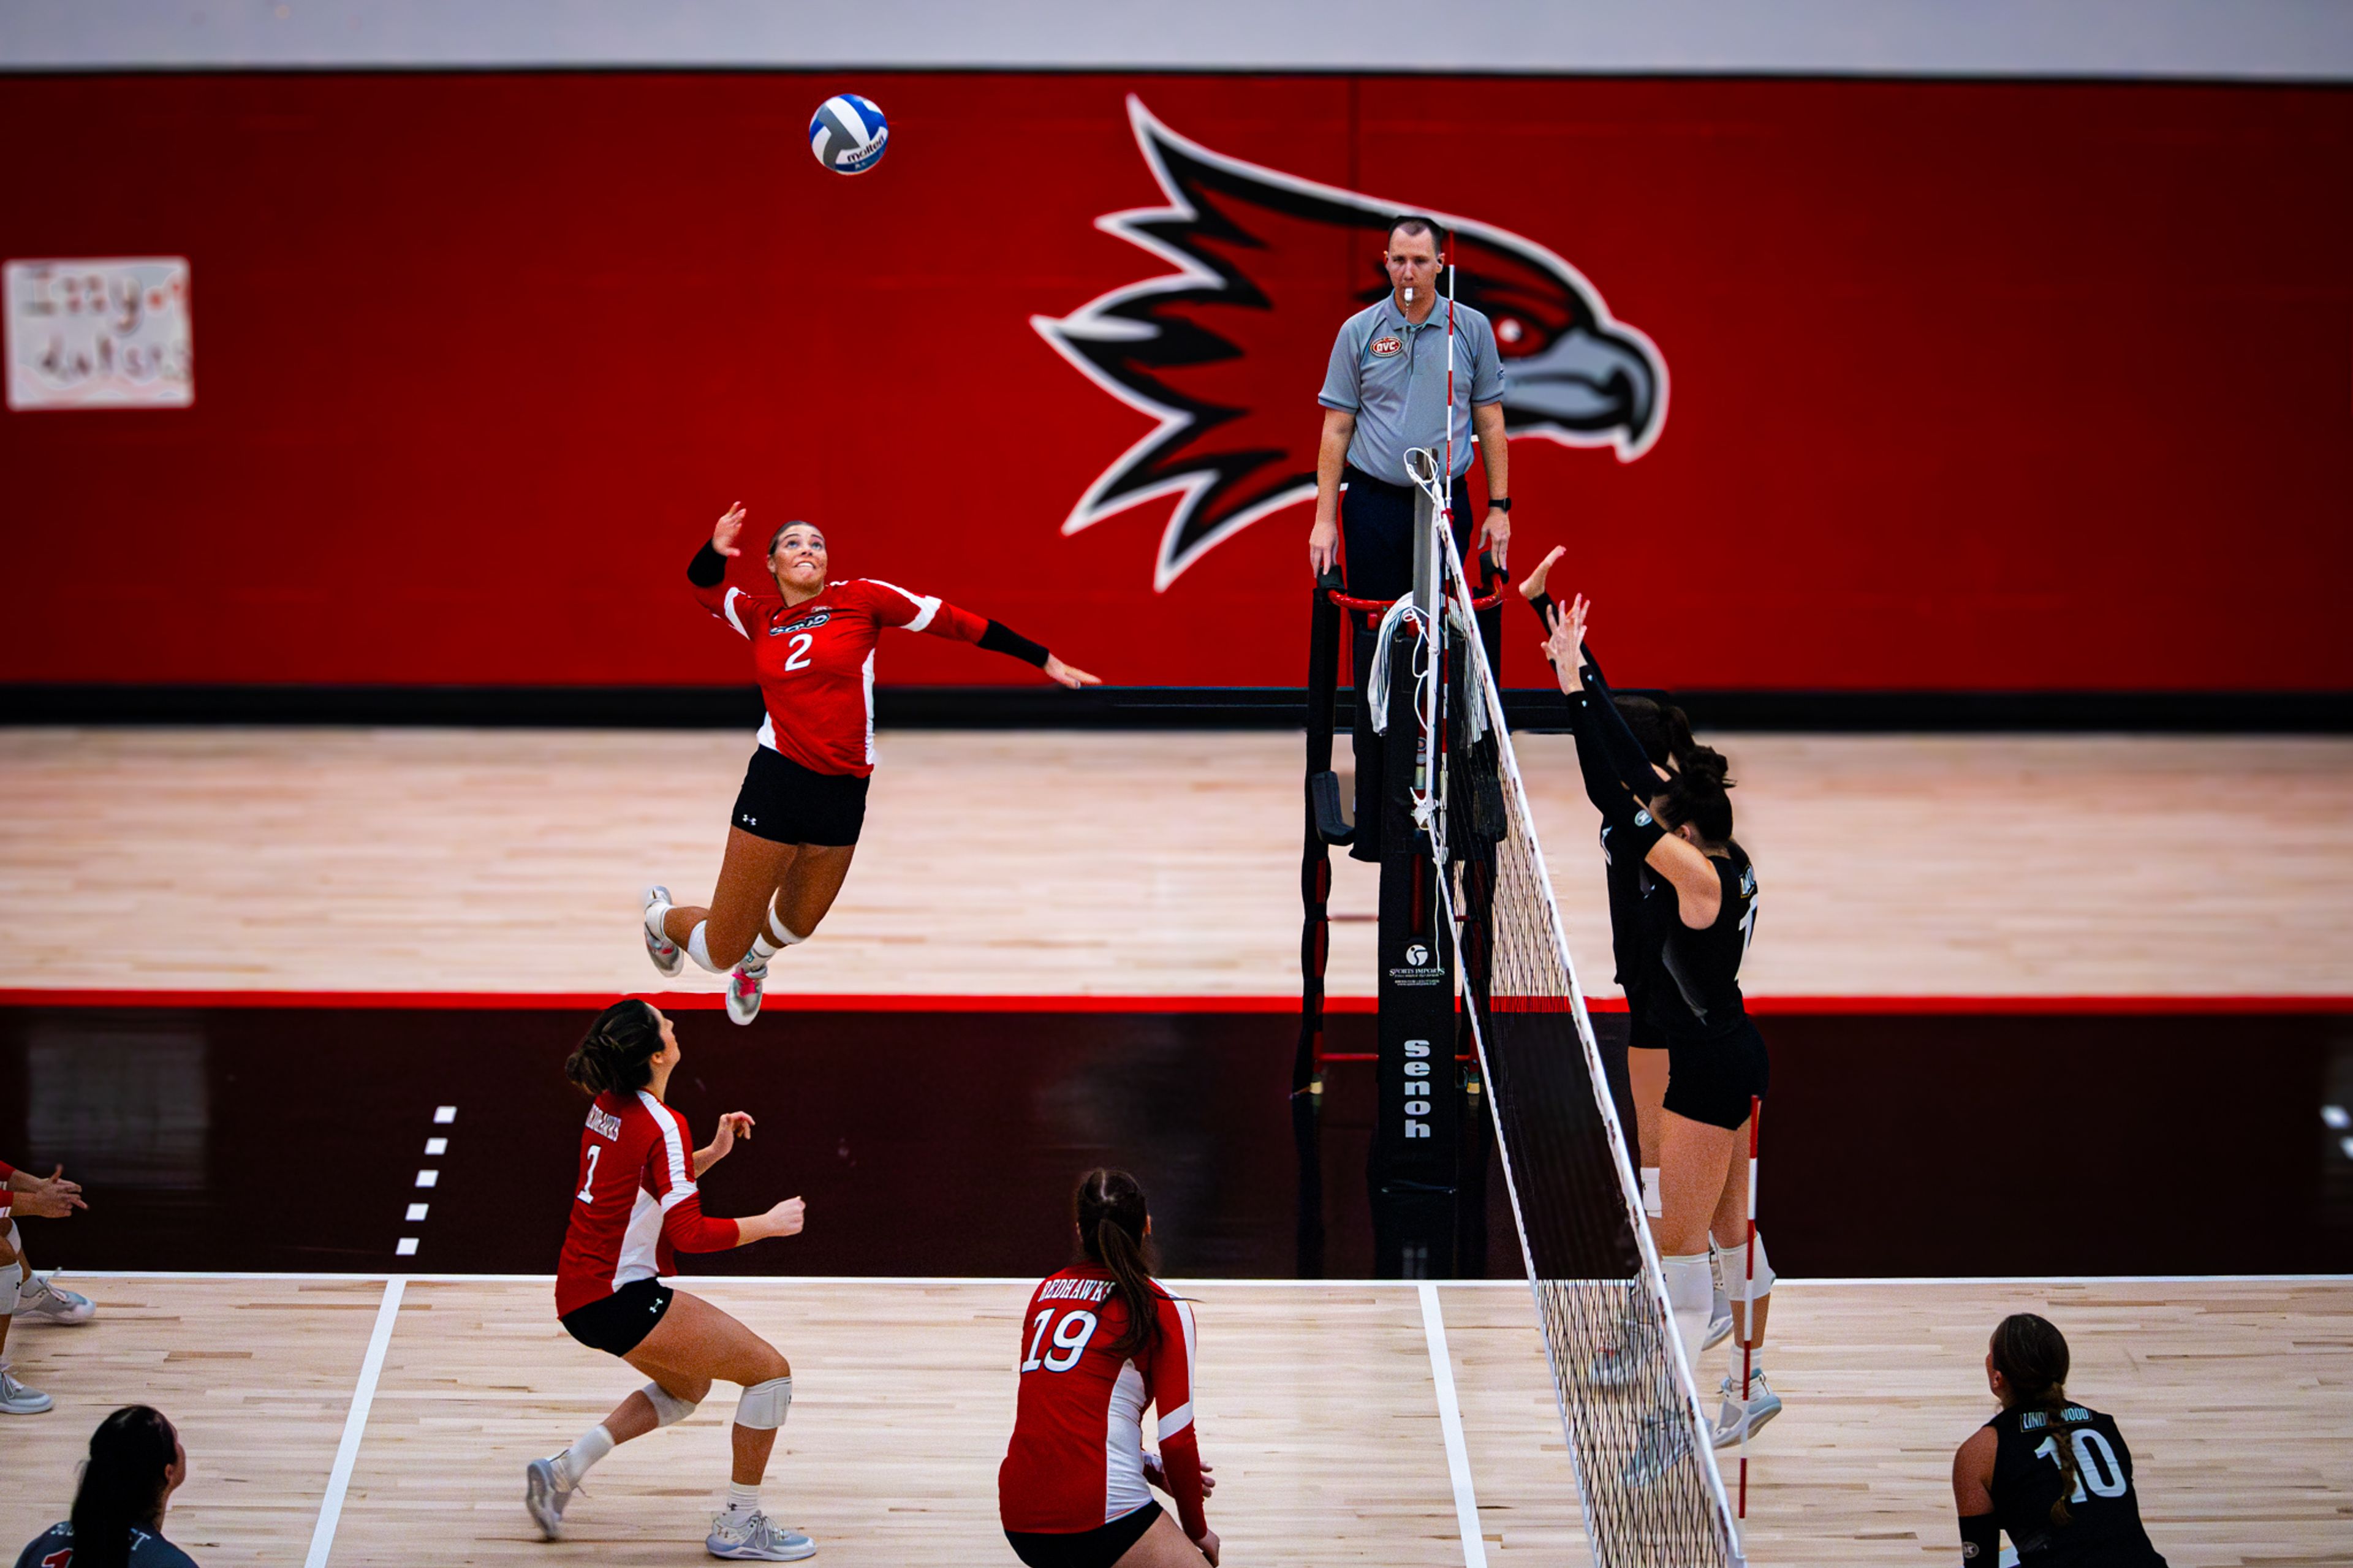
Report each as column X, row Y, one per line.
column 2280, row 40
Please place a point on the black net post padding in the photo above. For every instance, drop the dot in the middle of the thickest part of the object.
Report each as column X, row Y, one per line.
column 1315, row 857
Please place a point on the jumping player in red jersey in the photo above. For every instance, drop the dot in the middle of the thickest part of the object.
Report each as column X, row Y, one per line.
column 1100, row 1340
column 802, row 803
column 635, row 1207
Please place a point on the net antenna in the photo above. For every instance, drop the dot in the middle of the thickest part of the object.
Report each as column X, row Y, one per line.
column 1647, row 1478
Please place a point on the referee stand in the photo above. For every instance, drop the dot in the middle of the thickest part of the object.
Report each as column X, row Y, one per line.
column 1426, row 1173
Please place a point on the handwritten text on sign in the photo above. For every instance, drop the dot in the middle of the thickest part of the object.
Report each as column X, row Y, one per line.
column 100, row 334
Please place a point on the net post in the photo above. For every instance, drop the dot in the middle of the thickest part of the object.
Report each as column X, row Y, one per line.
column 1411, row 1167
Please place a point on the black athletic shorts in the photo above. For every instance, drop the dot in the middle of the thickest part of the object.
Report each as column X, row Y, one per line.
column 616, row 1324
column 1711, row 1080
column 1097, row 1548
column 785, row 803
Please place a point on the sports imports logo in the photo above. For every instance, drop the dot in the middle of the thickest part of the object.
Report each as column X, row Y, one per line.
column 1225, row 351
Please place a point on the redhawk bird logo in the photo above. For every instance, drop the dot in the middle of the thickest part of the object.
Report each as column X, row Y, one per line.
column 1227, row 353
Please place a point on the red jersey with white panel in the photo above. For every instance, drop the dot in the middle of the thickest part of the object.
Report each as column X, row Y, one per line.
column 636, row 1207
column 1076, row 1461
column 815, row 661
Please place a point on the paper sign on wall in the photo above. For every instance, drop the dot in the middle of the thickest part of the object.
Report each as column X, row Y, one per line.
column 100, row 334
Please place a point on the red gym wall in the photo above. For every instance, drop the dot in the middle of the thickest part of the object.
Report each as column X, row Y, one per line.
column 1973, row 385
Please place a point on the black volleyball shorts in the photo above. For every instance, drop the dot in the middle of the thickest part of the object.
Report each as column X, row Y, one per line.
column 620, row 1322
column 785, row 803
column 1711, row 1080
column 1097, row 1548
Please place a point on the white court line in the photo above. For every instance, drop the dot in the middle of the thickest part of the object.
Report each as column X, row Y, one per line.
column 347, row 1452
column 1450, row 1422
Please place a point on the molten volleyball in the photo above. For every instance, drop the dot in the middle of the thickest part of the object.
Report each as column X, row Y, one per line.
column 848, row 133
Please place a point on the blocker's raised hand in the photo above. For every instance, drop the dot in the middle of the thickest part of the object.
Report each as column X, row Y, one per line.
column 1534, row 582
column 723, row 531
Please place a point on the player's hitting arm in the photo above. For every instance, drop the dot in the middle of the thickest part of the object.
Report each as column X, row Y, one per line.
column 706, row 575
column 1973, row 1498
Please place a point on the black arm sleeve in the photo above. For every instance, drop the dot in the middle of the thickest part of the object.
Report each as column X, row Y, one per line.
column 1001, row 638
column 1618, row 800
column 1980, row 1540
column 708, row 569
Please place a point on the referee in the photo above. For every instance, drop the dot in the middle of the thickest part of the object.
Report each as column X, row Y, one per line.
column 1383, row 397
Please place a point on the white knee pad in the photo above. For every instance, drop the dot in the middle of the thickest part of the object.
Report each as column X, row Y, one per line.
column 697, row 951
column 764, row 1405
column 1691, row 1292
column 669, row 1408
column 1737, row 1280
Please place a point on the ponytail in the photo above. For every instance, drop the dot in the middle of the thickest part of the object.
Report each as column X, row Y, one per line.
column 1697, row 794
column 2030, row 1354
column 124, row 1483
column 618, row 1051
column 1663, row 731
column 1110, row 1209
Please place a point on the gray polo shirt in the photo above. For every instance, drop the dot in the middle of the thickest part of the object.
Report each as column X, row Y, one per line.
column 1391, row 375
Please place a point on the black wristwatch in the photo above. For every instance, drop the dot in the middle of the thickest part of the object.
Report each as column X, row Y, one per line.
column 1499, row 503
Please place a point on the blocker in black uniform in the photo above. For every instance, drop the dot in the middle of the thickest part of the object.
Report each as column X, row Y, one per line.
column 2102, row 1527
column 1716, row 1057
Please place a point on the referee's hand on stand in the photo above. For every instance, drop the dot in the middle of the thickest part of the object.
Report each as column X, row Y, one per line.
column 1323, row 546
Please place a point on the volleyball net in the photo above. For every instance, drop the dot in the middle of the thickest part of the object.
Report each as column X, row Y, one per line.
column 1646, row 1476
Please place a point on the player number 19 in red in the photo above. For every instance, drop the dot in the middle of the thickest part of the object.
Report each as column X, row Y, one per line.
column 1070, row 1337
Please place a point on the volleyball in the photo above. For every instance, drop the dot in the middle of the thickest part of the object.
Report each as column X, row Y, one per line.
column 848, row 133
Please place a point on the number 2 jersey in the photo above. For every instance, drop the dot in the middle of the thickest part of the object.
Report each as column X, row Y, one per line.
column 815, row 660
column 2104, row 1527
column 1076, row 1460
column 635, row 1205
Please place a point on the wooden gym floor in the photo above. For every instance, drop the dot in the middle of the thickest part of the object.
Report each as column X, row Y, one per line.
column 1317, row 1405
column 1153, row 865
